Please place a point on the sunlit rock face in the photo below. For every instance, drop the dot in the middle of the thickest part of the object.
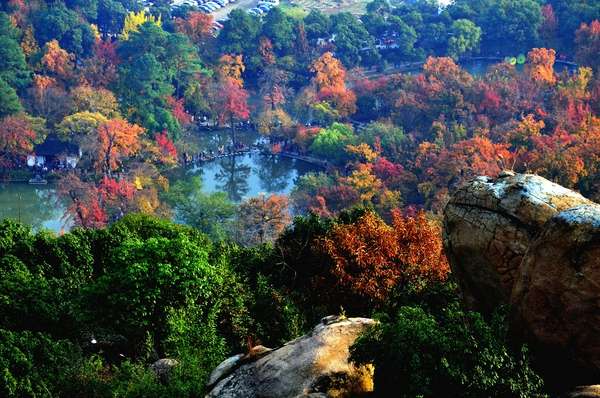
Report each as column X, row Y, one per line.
column 488, row 226
column 313, row 365
column 527, row 242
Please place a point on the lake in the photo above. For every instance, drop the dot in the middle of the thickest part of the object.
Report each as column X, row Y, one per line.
column 241, row 177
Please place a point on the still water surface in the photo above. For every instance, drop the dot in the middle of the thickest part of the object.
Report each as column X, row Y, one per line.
column 240, row 177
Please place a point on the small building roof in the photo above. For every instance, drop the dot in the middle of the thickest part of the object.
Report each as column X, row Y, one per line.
column 53, row 146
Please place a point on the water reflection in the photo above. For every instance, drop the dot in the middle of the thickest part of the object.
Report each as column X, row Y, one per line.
column 232, row 177
column 31, row 204
column 244, row 176
column 274, row 173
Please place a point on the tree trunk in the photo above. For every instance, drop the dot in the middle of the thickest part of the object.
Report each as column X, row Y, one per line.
column 232, row 132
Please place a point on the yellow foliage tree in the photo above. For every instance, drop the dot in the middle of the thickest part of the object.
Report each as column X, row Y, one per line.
column 232, row 67
column 274, row 121
column 134, row 20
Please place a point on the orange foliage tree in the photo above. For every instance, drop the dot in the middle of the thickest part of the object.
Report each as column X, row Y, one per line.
column 263, row 218
column 17, row 138
column 117, row 139
column 231, row 68
column 370, row 258
column 330, row 85
column 58, row 61
column 541, row 65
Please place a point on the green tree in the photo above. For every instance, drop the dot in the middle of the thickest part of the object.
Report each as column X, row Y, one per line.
column 239, row 34
column 13, row 68
column 154, row 63
column 317, row 25
column 34, row 365
column 157, row 268
column 280, row 29
column 111, row 15
column 465, row 38
column 60, row 23
column 508, row 27
column 210, row 213
column 331, row 142
column 9, row 100
column 354, row 45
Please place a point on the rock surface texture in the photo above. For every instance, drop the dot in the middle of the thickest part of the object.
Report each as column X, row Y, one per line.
column 556, row 297
column 489, row 225
column 585, row 392
column 524, row 241
column 314, row 365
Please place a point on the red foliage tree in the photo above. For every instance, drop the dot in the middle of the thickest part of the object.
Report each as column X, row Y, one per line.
column 198, row 26
column 178, row 110
column 166, row 147
column 232, row 104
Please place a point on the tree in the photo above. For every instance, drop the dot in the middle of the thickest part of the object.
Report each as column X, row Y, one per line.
column 197, row 26
column 117, row 139
column 262, row 219
column 9, row 100
column 331, row 142
column 111, row 16
column 232, row 67
column 541, row 65
column 369, row 259
column 274, row 122
column 239, row 34
column 49, row 99
column 134, row 20
column 587, row 42
column 232, row 104
column 17, row 138
column 465, row 38
column 332, row 94
column 453, row 353
column 95, row 100
column 59, row 23
column 279, row 28
column 13, row 68
column 57, row 61
column 100, row 70
column 353, row 43
column 166, row 147
column 155, row 64
column 508, row 26
column 549, row 27
column 78, row 126
column 318, row 25
column 213, row 214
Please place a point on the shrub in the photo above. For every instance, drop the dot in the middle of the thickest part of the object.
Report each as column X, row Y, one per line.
column 446, row 353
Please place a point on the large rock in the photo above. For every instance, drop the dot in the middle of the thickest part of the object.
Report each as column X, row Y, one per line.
column 556, row 297
column 488, row 226
column 163, row 368
column 314, row 365
column 585, row 392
